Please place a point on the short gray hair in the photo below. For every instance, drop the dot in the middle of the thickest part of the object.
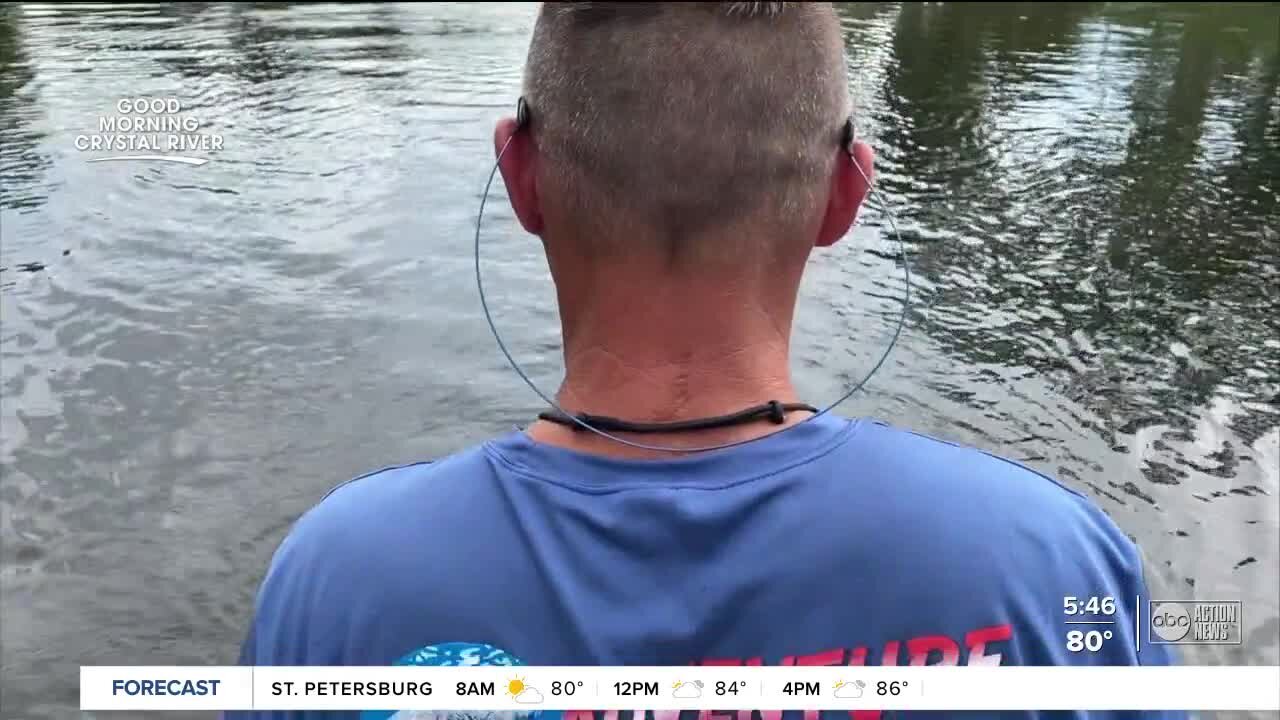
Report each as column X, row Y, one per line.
column 688, row 115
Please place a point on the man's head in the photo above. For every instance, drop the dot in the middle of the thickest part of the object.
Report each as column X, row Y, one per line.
column 698, row 134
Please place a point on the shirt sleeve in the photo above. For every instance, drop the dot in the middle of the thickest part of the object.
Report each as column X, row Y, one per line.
column 1122, row 576
column 290, row 625
column 1112, row 567
column 1131, row 644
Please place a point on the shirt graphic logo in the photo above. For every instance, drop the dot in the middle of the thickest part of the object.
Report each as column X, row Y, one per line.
column 458, row 654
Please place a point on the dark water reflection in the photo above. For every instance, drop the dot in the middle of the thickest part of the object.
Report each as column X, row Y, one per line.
column 1089, row 192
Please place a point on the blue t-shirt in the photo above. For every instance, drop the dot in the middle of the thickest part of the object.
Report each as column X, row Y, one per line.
column 833, row 542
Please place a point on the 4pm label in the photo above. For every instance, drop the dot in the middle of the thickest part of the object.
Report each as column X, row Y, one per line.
column 1195, row 622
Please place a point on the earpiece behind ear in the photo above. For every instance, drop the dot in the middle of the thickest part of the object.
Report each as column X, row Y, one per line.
column 522, row 114
column 847, row 136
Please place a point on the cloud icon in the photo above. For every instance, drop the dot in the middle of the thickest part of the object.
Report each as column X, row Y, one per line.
column 529, row 696
column 687, row 690
column 850, row 690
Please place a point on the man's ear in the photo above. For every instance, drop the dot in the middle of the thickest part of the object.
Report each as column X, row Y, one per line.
column 518, row 166
column 848, row 190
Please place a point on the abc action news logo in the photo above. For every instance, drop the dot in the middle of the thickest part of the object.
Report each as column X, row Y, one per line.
column 1195, row 622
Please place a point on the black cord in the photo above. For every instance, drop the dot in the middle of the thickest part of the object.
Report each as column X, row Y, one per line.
column 774, row 411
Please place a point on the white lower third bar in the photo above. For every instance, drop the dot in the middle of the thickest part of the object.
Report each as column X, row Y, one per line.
column 525, row 689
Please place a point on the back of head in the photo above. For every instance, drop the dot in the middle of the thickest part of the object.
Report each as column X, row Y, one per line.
column 681, row 124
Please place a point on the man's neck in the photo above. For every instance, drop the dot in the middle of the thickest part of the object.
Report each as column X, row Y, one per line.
column 671, row 358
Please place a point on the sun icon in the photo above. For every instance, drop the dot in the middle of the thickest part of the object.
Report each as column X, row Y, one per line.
column 515, row 686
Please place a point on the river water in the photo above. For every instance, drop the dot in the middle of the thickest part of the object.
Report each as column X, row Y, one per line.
column 1089, row 194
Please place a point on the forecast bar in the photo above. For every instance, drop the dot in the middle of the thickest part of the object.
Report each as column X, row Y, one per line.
column 679, row 688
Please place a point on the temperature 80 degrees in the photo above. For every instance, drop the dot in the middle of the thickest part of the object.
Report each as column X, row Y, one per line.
column 1086, row 640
